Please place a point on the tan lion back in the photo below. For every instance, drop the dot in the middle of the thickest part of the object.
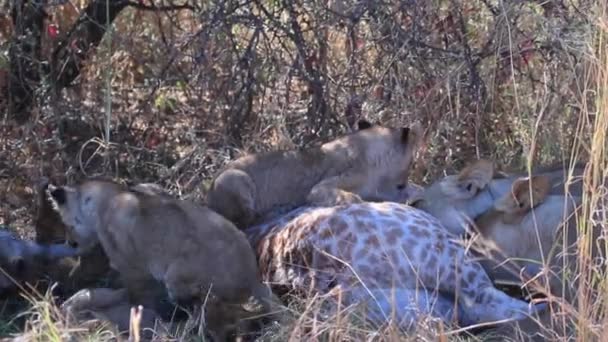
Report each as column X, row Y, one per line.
column 370, row 164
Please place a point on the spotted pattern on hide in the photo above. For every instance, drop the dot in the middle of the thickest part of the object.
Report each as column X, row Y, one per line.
column 382, row 245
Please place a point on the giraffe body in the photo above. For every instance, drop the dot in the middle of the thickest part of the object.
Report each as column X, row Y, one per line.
column 374, row 248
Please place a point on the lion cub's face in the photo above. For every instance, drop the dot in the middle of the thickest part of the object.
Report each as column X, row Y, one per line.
column 80, row 208
column 390, row 153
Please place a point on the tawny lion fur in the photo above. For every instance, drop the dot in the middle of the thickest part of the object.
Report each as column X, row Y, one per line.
column 521, row 220
column 148, row 238
column 369, row 164
column 530, row 225
column 86, row 270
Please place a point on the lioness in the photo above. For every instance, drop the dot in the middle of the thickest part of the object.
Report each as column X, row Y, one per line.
column 370, row 164
column 457, row 200
column 507, row 218
column 530, row 226
column 189, row 248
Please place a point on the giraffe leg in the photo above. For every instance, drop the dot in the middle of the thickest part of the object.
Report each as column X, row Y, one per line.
column 477, row 297
column 406, row 306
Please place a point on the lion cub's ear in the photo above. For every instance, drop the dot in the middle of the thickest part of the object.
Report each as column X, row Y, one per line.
column 475, row 176
column 526, row 193
column 57, row 195
column 363, row 124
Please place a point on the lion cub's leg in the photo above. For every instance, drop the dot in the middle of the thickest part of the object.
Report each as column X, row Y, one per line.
column 142, row 289
column 111, row 305
column 88, row 299
column 233, row 196
column 336, row 190
column 225, row 319
column 221, row 319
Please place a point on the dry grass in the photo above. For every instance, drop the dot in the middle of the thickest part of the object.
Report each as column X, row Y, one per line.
column 592, row 308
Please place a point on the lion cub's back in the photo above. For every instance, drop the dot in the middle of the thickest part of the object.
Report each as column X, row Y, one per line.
column 285, row 177
column 207, row 246
column 222, row 240
column 152, row 229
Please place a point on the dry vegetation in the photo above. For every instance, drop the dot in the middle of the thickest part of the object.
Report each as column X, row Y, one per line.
column 169, row 96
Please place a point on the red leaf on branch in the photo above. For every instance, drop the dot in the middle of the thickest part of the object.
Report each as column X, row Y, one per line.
column 378, row 92
column 52, row 30
column 153, row 140
column 359, row 43
column 311, row 61
column 527, row 50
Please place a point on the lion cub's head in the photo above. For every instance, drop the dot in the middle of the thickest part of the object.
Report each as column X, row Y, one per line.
column 80, row 207
column 388, row 155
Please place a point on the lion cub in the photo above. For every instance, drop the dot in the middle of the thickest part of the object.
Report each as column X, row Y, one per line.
column 189, row 248
column 370, row 164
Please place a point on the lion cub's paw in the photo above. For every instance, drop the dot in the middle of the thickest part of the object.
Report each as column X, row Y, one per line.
column 345, row 197
column 334, row 198
column 78, row 301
